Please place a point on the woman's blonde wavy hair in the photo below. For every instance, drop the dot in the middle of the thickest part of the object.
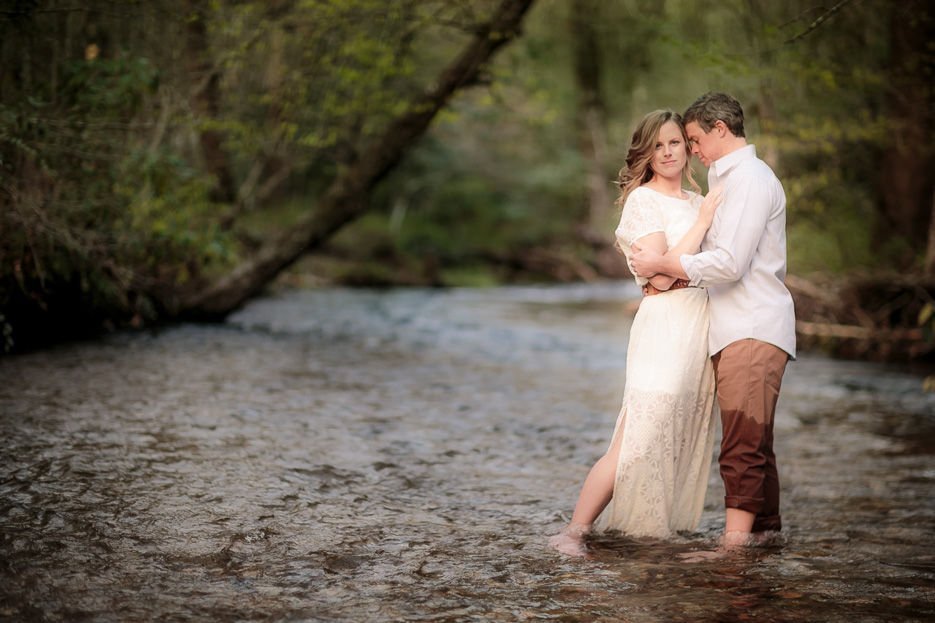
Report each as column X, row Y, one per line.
column 642, row 146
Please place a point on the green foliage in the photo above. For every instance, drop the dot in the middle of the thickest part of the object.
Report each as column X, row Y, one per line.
column 110, row 88
column 169, row 227
column 500, row 195
column 831, row 131
column 320, row 79
column 815, row 108
column 91, row 220
column 503, row 170
column 105, row 196
column 842, row 247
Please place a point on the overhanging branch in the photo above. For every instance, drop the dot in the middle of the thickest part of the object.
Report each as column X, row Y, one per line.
column 345, row 198
column 818, row 23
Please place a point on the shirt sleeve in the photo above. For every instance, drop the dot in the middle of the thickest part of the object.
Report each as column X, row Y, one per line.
column 740, row 221
column 641, row 216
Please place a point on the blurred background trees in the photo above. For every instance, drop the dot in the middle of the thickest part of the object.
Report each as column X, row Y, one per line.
column 151, row 150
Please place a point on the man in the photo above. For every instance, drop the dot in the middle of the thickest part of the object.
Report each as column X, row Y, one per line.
column 752, row 336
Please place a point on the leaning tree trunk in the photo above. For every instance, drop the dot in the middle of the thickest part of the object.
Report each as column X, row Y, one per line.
column 345, row 199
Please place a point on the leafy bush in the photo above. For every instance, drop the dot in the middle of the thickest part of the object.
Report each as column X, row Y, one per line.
column 93, row 221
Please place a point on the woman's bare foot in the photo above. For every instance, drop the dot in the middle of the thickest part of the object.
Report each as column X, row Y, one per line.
column 570, row 540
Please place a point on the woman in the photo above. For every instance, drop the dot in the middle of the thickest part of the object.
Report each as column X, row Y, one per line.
column 654, row 475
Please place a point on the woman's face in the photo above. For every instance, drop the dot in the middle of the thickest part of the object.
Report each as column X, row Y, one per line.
column 670, row 155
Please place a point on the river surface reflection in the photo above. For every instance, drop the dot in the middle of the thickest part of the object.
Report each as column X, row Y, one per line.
column 403, row 455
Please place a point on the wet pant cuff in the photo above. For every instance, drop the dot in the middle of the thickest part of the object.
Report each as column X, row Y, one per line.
column 750, row 505
column 772, row 523
column 761, row 523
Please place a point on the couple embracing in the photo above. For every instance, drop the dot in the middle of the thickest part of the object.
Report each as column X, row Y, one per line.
column 716, row 319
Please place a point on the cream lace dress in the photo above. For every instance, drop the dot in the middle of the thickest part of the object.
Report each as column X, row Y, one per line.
column 668, row 415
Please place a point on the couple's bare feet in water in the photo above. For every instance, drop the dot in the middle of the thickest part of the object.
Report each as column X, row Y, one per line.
column 570, row 540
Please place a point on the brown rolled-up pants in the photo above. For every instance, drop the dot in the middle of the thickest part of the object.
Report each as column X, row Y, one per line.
column 749, row 375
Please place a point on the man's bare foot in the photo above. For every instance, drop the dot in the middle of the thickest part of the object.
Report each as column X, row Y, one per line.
column 570, row 540
column 731, row 542
column 703, row 556
column 767, row 538
column 735, row 541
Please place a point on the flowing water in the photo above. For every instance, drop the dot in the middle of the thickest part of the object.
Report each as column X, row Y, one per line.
column 403, row 455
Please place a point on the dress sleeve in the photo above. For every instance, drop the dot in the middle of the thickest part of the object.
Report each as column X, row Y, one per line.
column 641, row 216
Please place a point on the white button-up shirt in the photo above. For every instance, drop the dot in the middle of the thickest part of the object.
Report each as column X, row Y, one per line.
column 743, row 256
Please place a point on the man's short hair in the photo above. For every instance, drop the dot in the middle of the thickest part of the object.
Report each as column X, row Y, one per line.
column 712, row 107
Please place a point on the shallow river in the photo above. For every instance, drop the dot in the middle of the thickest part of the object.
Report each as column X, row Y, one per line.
column 347, row 455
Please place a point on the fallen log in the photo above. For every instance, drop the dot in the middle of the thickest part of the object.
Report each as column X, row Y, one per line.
column 882, row 317
column 824, row 329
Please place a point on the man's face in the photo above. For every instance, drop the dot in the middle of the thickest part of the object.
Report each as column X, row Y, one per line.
column 705, row 145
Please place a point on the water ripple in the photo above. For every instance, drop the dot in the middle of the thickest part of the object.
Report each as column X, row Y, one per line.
column 402, row 456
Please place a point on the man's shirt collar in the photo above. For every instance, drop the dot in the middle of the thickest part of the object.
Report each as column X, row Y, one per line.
column 725, row 163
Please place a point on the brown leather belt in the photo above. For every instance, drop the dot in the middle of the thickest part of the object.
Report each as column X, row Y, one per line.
column 649, row 289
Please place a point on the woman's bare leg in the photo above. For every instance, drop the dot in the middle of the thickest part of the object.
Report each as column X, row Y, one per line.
column 596, row 493
column 598, row 488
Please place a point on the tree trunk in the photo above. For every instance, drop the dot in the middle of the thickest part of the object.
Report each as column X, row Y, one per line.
column 345, row 198
column 930, row 248
column 591, row 112
column 907, row 182
column 206, row 99
column 757, row 15
column 269, row 169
